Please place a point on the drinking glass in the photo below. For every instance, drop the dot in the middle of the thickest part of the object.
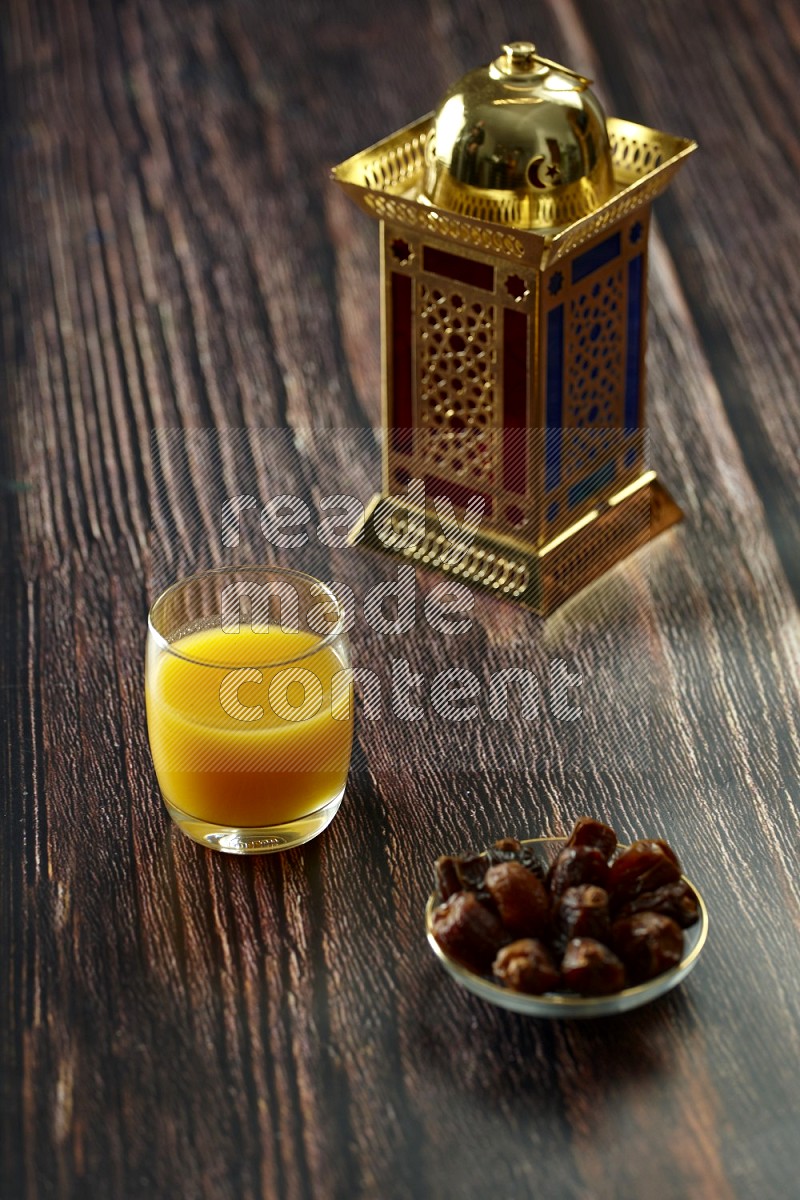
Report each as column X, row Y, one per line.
column 249, row 700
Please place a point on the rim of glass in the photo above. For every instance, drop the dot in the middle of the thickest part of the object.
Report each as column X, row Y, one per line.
column 336, row 630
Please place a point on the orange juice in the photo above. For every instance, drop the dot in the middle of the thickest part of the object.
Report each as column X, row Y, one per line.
column 242, row 737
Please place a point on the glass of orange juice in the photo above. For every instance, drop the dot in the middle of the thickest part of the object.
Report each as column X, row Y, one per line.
column 249, row 706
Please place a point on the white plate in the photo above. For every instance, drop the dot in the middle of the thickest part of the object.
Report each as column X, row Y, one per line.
column 561, row 1005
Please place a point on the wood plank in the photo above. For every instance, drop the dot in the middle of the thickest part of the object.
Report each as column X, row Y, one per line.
column 174, row 257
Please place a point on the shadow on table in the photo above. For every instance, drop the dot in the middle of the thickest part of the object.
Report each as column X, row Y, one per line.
column 490, row 1049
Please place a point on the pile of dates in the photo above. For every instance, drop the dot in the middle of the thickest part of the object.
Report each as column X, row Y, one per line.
column 601, row 919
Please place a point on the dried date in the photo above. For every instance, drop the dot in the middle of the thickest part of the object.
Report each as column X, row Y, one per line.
column 468, row 931
column 648, row 944
column 675, row 900
column 583, row 912
column 643, row 867
column 531, row 862
column 591, row 968
column 505, row 850
column 447, row 876
column 520, row 898
column 589, row 832
column 576, row 865
column 526, row 966
column 665, row 846
column 471, row 870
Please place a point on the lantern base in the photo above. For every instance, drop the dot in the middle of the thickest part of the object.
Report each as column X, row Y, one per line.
column 508, row 567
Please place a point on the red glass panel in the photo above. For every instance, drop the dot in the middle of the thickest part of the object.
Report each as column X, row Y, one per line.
column 401, row 406
column 453, row 266
column 515, row 391
column 460, row 494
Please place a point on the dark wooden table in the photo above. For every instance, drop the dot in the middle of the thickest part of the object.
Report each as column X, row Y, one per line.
column 174, row 257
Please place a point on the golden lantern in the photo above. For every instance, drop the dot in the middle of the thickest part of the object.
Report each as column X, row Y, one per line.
column 514, row 228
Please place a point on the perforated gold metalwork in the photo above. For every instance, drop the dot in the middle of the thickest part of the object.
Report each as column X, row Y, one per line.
column 573, row 202
column 636, row 150
column 595, row 378
column 510, row 570
column 386, row 180
column 584, row 231
column 396, row 162
column 490, row 562
column 615, row 534
column 457, row 356
column 391, row 208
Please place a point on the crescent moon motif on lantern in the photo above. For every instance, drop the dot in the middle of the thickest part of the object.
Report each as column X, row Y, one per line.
column 535, row 173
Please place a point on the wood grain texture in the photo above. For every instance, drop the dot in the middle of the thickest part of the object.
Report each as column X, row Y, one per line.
column 173, row 257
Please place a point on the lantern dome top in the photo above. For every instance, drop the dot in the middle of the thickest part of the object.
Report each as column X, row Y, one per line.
column 521, row 142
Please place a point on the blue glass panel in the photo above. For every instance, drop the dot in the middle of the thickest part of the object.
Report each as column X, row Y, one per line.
column 555, row 393
column 598, row 256
column 634, row 343
column 591, row 484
